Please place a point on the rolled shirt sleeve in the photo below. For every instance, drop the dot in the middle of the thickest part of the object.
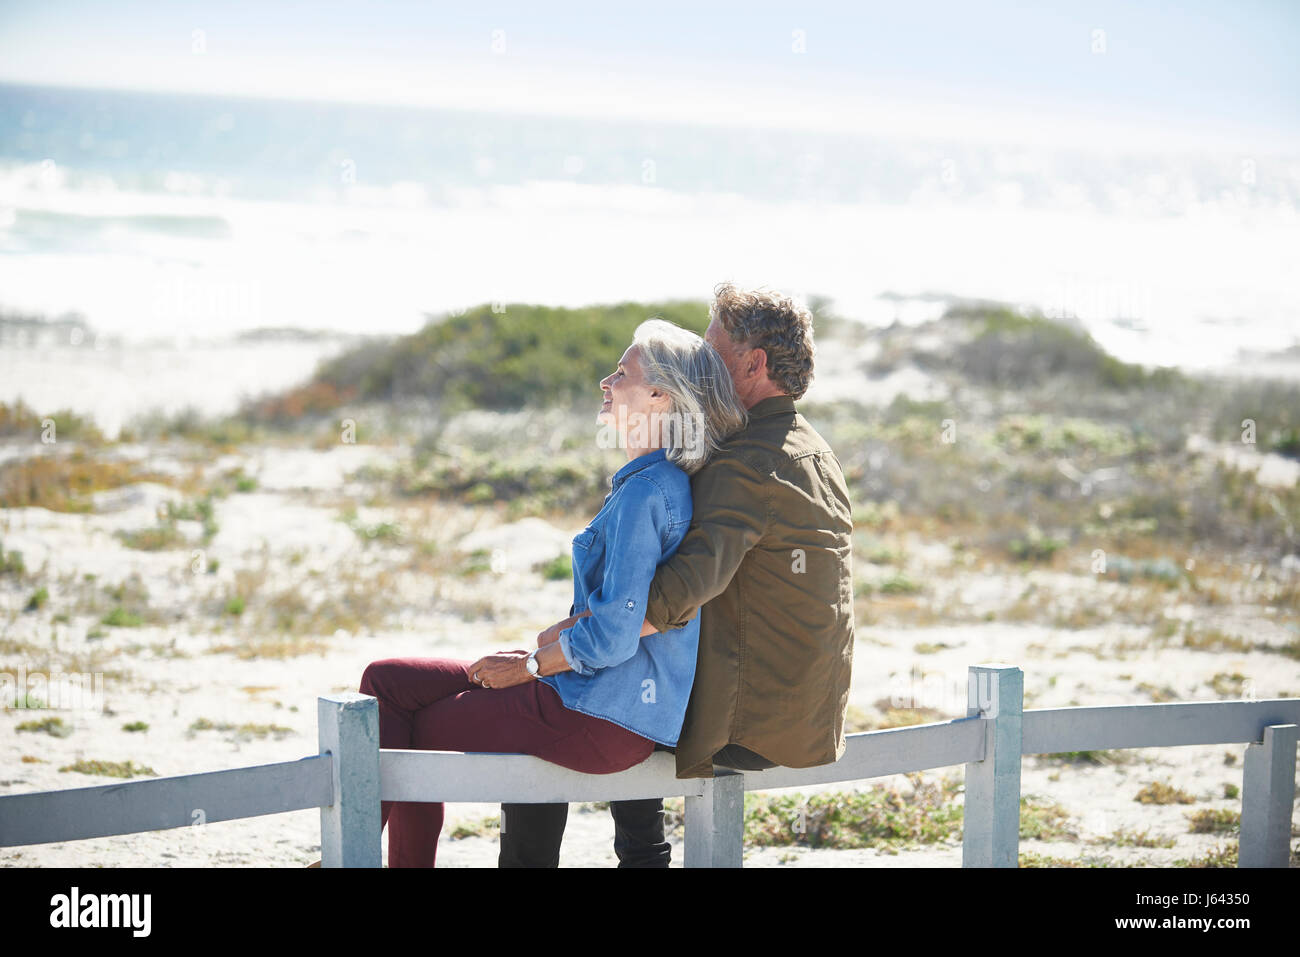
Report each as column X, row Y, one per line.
column 611, row 634
column 730, row 516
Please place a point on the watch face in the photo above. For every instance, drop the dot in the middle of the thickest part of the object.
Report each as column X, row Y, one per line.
column 530, row 665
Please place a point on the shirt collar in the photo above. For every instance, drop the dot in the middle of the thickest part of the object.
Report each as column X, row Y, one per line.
column 772, row 405
column 636, row 465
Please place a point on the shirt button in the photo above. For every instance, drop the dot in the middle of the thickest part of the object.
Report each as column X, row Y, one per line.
column 630, row 604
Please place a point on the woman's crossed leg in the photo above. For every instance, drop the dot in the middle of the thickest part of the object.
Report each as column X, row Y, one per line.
column 430, row 704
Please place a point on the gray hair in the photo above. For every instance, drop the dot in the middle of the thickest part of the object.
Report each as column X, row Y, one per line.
column 774, row 323
column 705, row 407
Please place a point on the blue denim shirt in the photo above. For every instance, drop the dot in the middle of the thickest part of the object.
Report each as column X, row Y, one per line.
column 642, row 684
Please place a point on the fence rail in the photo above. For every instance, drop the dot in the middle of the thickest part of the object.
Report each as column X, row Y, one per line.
column 158, row 804
column 351, row 774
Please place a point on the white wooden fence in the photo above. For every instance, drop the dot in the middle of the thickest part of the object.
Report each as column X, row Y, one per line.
column 351, row 775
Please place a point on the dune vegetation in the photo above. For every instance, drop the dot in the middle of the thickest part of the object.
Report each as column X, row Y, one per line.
column 1041, row 482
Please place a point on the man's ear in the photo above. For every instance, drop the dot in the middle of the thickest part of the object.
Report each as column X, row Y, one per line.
column 756, row 362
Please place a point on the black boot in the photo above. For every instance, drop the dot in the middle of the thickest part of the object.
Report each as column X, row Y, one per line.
column 531, row 834
column 639, row 833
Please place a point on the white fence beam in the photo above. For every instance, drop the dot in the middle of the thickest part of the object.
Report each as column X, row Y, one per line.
column 409, row 775
column 991, row 816
column 1156, row 725
column 715, row 822
column 348, row 726
column 874, row 754
column 1267, row 799
column 156, row 804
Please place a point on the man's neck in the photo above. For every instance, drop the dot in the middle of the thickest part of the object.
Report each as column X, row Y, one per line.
column 765, row 391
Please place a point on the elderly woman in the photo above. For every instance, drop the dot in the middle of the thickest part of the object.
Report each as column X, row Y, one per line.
column 594, row 695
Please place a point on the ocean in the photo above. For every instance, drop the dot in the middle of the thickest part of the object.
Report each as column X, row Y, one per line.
column 191, row 218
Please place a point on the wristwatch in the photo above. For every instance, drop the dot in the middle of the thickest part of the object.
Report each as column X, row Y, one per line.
column 530, row 663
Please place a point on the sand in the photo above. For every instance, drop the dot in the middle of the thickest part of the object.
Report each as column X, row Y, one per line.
column 290, row 526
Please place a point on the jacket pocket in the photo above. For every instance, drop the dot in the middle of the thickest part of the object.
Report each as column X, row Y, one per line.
column 585, row 538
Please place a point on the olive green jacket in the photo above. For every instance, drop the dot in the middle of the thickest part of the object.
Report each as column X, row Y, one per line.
column 768, row 561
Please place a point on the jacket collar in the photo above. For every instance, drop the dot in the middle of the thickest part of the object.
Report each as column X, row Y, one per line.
column 636, row 465
column 772, row 405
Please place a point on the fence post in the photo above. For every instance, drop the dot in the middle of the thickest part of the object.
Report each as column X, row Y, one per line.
column 348, row 728
column 1267, row 796
column 715, row 821
column 991, row 817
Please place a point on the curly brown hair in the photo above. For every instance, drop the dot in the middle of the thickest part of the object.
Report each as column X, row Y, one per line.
column 774, row 323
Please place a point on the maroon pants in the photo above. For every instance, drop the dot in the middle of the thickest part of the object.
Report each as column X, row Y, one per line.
column 430, row 704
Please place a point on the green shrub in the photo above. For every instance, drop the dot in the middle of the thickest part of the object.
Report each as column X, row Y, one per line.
column 1011, row 349
column 1272, row 404
column 1034, row 547
column 483, row 827
column 152, row 539
column 21, row 419
column 899, row 584
column 119, row 617
column 38, row 599
column 11, row 562
column 523, row 356
column 51, row 725
column 559, row 568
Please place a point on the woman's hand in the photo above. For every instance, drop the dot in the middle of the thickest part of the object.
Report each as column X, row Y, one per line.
column 505, row 669
column 552, row 634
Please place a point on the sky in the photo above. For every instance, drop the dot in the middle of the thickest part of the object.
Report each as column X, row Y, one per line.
column 1190, row 74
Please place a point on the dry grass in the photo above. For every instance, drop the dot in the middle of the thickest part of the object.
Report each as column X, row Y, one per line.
column 243, row 732
column 275, row 648
column 1221, row 855
column 1034, row 859
column 881, row 817
column 1214, row 821
column 65, row 482
column 112, row 769
column 293, row 619
column 1129, row 838
column 1096, row 758
column 1163, row 793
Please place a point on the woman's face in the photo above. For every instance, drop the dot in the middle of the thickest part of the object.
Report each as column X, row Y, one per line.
column 627, row 397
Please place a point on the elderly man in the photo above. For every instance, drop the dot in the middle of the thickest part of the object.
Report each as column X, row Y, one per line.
column 768, row 563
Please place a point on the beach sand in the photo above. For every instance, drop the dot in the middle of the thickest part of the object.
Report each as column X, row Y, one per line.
column 172, row 673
